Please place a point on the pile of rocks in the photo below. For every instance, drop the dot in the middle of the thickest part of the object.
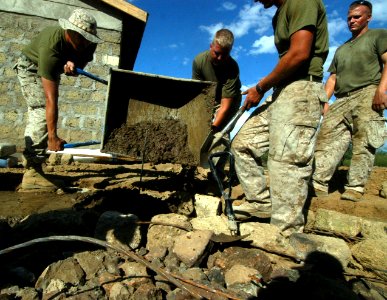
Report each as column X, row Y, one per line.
column 197, row 258
column 184, row 254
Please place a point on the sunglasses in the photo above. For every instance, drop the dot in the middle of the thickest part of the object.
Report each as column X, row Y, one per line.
column 362, row 2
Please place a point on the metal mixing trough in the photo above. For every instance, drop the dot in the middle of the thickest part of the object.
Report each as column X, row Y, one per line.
column 135, row 97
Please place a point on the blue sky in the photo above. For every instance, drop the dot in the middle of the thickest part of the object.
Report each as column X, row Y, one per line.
column 177, row 30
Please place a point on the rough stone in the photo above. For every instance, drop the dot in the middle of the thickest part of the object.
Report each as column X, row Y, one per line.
column 371, row 254
column 240, row 278
column 304, row 244
column 164, row 235
column 191, row 247
column 336, row 222
column 207, row 206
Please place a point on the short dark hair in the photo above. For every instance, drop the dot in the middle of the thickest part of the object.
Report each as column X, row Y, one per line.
column 224, row 38
column 362, row 2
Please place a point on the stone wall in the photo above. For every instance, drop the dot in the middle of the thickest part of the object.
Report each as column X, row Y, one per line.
column 81, row 99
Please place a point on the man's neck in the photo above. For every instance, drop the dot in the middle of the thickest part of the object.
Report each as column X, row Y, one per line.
column 360, row 33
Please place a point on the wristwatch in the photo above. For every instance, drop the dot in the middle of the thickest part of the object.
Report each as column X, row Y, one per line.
column 259, row 89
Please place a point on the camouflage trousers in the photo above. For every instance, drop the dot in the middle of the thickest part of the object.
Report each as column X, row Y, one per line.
column 349, row 119
column 285, row 126
column 35, row 134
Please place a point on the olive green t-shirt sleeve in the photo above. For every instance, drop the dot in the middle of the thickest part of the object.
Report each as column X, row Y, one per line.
column 49, row 64
column 353, row 73
column 295, row 15
column 303, row 13
column 232, row 88
column 195, row 70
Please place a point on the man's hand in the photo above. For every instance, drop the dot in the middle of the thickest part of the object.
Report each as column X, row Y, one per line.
column 252, row 98
column 325, row 108
column 69, row 69
column 55, row 144
column 380, row 100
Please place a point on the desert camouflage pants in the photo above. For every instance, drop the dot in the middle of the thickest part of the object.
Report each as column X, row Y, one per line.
column 35, row 134
column 286, row 126
column 349, row 119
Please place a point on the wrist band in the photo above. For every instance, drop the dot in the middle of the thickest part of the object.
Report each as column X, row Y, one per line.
column 259, row 89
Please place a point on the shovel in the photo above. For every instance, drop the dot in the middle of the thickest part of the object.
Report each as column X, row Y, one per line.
column 80, row 144
column 232, row 224
column 87, row 74
column 211, row 141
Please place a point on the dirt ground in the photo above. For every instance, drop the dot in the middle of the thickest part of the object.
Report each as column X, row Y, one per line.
column 372, row 206
column 145, row 190
column 155, row 183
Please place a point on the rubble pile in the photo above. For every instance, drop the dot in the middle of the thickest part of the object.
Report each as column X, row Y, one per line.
column 111, row 243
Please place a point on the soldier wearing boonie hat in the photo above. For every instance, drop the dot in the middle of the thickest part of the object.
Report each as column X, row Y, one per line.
column 82, row 22
column 55, row 50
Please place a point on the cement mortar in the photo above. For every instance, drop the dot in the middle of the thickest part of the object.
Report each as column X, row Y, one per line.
column 158, row 142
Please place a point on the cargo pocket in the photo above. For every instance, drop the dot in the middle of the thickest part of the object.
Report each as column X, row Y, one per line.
column 375, row 131
column 295, row 144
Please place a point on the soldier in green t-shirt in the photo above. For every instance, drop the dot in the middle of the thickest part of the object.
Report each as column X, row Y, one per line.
column 54, row 51
column 359, row 82
column 217, row 65
column 286, row 125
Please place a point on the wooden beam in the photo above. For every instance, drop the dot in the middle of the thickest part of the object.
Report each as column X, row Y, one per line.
column 129, row 9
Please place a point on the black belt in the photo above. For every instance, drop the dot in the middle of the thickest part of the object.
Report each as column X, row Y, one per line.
column 310, row 78
column 347, row 94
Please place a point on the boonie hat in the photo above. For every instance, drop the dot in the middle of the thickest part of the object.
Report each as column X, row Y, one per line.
column 83, row 23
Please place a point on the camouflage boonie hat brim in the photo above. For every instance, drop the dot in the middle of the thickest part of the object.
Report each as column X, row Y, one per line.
column 83, row 23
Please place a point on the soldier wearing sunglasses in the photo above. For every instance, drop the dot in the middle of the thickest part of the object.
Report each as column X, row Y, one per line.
column 359, row 82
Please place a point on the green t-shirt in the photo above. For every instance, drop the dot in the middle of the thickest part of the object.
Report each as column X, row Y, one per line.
column 49, row 51
column 291, row 17
column 357, row 63
column 226, row 75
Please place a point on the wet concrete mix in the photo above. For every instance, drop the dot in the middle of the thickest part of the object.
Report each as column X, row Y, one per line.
column 157, row 142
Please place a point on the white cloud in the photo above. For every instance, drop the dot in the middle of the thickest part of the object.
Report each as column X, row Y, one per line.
column 228, row 6
column 332, row 51
column 264, row 44
column 379, row 11
column 337, row 29
column 186, row 61
column 211, row 29
column 236, row 51
column 250, row 17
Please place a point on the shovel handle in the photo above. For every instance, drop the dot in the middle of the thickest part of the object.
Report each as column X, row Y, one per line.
column 80, row 144
column 87, row 74
column 232, row 224
column 230, row 125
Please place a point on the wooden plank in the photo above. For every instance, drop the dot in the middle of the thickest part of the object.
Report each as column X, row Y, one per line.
column 129, row 9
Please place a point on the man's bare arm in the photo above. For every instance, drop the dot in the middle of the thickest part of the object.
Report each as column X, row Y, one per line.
column 380, row 98
column 223, row 112
column 51, row 93
column 300, row 49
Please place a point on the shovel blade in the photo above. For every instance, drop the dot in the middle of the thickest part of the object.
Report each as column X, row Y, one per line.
column 205, row 149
